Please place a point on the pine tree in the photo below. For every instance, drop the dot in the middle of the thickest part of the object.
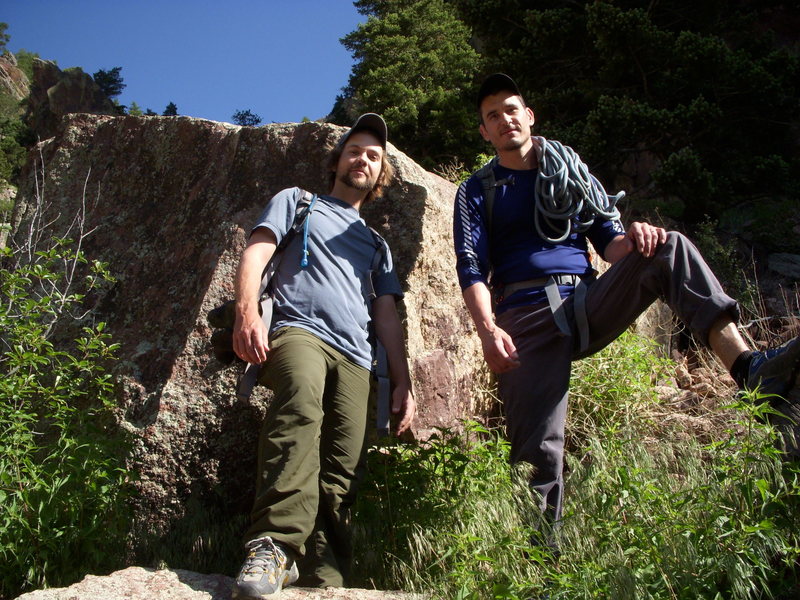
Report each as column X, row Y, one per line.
column 415, row 66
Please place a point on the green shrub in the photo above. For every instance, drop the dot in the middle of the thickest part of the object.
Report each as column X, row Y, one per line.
column 645, row 517
column 447, row 516
column 613, row 389
column 62, row 483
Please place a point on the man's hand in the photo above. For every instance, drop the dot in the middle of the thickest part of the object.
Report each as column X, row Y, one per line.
column 640, row 237
column 250, row 337
column 499, row 350
column 646, row 238
column 404, row 406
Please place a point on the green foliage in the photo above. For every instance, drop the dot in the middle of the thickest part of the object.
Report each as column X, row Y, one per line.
column 644, row 518
column 415, row 66
column 135, row 110
column 612, row 389
column 445, row 515
column 673, row 86
column 246, row 118
column 110, row 82
column 25, row 61
column 4, row 37
column 701, row 101
column 682, row 520
column 62, row 483
column 171, row 110
column 14, row 134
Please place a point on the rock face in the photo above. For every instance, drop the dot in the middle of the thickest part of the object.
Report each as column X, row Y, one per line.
column 13, row 80
column 55, row 93
column 136, row 583
column 170, row 200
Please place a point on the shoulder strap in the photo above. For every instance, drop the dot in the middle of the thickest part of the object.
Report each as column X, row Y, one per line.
column 489, row 184
column 301, row 213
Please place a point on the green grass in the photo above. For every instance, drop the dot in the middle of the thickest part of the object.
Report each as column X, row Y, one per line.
column 645, row 516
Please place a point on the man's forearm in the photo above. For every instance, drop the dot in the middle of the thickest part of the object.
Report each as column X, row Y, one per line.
column 478, row 299
column 390, row 333
column 251, row 266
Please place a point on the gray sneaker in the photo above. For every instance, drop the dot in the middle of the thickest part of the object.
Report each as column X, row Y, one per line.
column 265, row 571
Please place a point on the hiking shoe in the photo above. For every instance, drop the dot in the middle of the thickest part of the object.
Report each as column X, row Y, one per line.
column 265, row 571
column 773, row 371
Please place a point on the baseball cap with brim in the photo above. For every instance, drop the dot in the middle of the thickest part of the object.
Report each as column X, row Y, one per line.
column 497, row 82
column 368, row 122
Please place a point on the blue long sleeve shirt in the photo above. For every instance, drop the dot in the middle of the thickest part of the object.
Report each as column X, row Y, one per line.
column 513, row 251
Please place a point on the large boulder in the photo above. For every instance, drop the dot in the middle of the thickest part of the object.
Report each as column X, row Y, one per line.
column 169, row 203
column 55, row 93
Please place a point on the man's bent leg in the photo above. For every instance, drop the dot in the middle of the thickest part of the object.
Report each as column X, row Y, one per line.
column 677, row 274
column 287, row 492
column 341, row 447
column 534, row 396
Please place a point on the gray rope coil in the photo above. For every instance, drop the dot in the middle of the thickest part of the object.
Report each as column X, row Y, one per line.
column 567, row 197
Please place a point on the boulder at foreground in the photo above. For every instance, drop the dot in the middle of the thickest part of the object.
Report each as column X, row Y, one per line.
column 170, row 201
column 135, row 583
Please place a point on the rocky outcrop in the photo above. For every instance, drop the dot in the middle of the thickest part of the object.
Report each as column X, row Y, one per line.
column 55, row 93
column 136, row 583
column 169, row 203
column 13, row 81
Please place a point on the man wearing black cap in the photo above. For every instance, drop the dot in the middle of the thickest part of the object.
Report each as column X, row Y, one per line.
column 317, row 358
column 524, row 269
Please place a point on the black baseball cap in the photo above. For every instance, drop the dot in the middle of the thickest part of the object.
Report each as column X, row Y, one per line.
column 368, row 122
column 497, row 82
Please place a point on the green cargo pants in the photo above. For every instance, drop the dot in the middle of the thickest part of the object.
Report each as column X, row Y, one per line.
column 309, row 452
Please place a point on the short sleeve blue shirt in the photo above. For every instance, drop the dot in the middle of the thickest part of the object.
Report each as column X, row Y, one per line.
column 329, row 296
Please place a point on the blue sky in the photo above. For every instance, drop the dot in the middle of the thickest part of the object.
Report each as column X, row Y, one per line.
column 280, row 59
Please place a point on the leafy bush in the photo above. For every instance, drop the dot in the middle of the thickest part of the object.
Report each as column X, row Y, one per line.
column 644, row 517
column 62, row 483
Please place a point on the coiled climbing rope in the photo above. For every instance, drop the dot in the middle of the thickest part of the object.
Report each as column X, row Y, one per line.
column 567, row 197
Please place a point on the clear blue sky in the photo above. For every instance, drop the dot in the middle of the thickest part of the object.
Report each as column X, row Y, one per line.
column 281, row 59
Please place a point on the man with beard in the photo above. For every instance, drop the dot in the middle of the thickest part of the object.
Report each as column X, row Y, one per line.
column 527, row 280
column 317, row 358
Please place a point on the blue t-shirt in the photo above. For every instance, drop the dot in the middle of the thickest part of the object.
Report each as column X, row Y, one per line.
column 329, row 296
column 513, row 251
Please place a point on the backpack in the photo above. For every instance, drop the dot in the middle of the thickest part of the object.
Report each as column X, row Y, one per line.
column 222, row 317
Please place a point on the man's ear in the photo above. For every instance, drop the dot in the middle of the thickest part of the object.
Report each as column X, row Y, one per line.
column 529, row 110
column 482, row 129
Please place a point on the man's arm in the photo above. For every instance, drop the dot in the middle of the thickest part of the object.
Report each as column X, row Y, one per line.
column 250, row 335
column 498, row 347
column 390, row 333
column 642, row 237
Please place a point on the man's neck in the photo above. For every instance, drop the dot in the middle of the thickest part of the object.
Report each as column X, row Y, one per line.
column 520, row 159
column 348, row 195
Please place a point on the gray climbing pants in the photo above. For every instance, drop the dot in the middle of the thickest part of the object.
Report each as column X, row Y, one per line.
column 535, row 394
